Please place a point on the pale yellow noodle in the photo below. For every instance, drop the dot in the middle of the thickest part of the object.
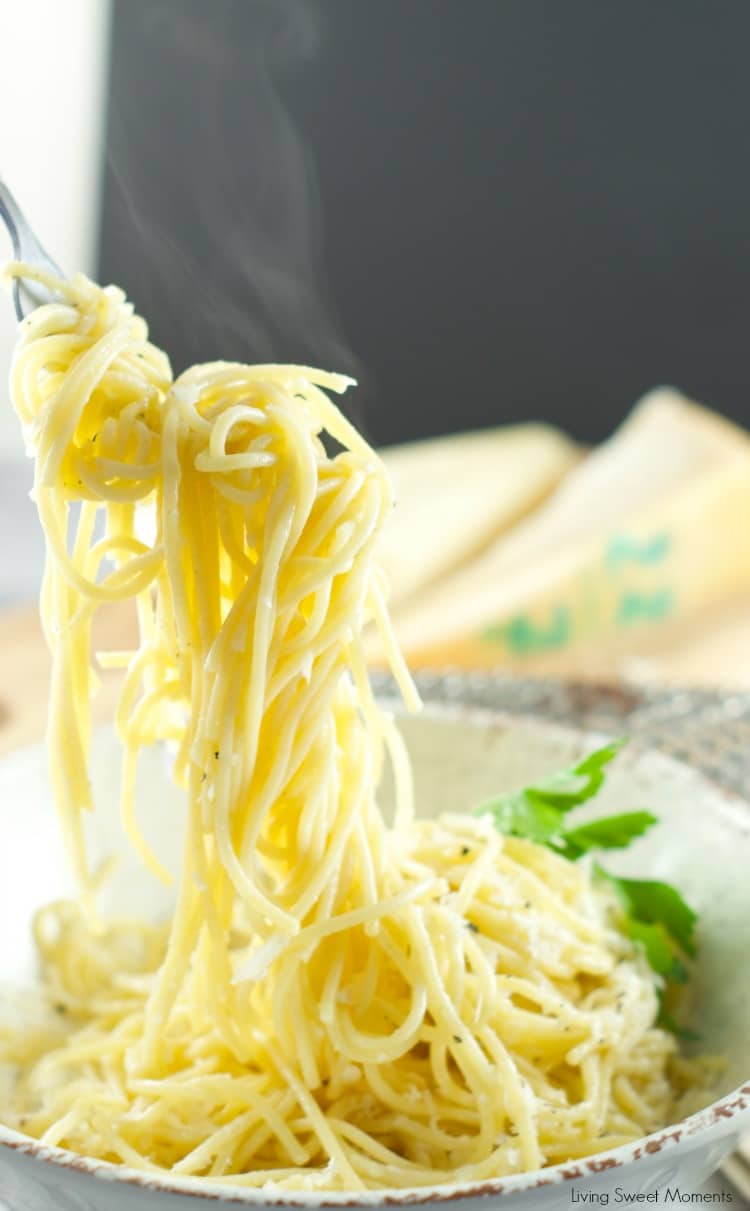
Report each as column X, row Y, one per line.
column 336, row 1003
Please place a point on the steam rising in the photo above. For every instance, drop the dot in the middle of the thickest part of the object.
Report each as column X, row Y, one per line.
column 239, row 261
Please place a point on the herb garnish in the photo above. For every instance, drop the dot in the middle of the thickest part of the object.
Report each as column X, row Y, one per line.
column 653, row 914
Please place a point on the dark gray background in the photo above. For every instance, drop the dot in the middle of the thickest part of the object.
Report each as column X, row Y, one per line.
column 525, row 208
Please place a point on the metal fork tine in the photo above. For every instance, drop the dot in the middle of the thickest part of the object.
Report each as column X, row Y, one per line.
column 27, row 293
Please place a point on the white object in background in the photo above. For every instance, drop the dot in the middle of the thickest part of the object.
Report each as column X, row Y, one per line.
column 52, row 110
column 649, row 531
column 455, row 495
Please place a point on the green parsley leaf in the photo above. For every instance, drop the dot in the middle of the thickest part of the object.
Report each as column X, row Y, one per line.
column 571, row 787
column 524, row 814
column 653, row 914
column 658, row 949
column 611, row 832
column 655, row 903
column 536, row 812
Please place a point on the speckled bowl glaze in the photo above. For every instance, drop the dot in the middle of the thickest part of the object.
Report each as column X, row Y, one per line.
column 461, row 755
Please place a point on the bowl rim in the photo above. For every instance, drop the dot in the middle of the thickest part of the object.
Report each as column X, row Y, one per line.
column 729, row 1115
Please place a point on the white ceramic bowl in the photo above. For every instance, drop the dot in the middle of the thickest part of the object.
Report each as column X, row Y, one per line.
column 702, row 842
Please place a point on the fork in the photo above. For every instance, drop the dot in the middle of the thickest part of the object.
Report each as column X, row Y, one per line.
column 27, row 292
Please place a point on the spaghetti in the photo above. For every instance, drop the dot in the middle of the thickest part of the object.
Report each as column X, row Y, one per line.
column 337, row 1003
